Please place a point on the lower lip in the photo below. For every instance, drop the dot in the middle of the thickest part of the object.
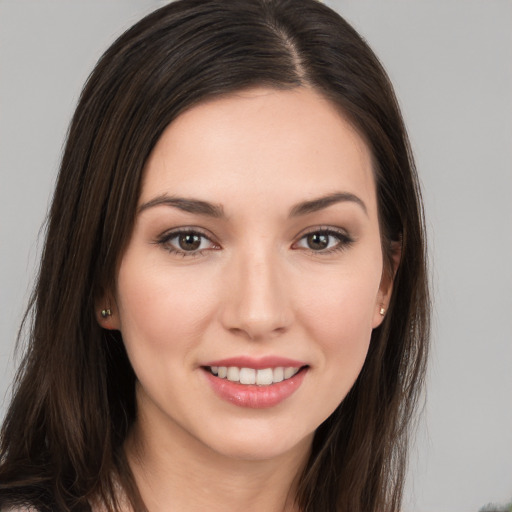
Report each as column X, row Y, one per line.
column 253, row 396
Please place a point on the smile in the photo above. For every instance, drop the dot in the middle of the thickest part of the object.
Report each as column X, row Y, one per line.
column 258, row 384
column 248, row 376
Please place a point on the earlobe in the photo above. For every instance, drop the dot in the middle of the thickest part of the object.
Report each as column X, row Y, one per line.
column 106, row 314
column 386, row 283
column 379, row 315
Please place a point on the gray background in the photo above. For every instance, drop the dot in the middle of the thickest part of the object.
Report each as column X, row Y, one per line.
column 451, row 63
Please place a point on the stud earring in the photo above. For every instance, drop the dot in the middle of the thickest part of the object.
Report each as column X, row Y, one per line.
column 382, row 311
column 105, row 313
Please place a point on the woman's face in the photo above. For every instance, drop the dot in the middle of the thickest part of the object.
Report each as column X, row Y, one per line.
column 253, row 277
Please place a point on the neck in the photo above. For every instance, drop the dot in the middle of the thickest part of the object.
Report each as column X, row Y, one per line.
column 176, row 472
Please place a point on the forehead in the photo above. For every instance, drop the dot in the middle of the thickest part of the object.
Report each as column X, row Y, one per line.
column 262, row 144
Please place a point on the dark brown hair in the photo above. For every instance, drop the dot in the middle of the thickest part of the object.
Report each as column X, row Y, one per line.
column 73, row 403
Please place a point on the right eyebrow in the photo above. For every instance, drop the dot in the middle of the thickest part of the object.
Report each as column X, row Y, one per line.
column 185, row 204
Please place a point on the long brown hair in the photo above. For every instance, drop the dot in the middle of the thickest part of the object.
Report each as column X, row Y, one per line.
column 74, row 402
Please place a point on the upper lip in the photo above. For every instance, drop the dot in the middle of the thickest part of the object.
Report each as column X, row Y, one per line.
column 258, row 363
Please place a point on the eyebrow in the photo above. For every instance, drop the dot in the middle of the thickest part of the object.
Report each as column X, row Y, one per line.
column 323, row 202
column 217, row 211
column 187, row 205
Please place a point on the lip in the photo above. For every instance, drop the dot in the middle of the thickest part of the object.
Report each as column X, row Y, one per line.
column 251, row 395
column 258, row 363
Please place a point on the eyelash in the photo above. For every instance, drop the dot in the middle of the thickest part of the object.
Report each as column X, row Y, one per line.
column 165, row 241
column 344, row 241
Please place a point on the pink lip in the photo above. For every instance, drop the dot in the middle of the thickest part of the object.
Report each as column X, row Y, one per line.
column 257, row 363
column 254, row 396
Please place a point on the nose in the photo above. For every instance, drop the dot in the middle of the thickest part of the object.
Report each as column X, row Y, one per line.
column 257, row 303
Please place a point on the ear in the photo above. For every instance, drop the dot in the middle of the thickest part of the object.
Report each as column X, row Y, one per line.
column 107, row 313
column 386, row 284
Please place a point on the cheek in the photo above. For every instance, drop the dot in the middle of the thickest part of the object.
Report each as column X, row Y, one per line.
column 340, row 318
column 161, row 311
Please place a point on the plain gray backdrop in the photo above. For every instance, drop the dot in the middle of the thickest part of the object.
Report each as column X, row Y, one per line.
column 451, row 63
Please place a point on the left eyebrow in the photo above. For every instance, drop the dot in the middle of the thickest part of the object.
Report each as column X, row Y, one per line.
column 323, row 202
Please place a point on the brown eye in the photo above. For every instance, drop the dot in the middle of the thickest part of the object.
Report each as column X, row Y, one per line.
column 186, row 242
column 189, row 241
column 317, row 241
column 324, row 241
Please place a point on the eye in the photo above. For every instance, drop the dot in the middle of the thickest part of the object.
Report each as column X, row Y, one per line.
column 186, row 242
column 324, row 240
column 189, row 241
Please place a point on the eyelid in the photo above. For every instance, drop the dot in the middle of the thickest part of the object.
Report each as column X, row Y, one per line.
column 345, row 239
column 164, row 239
column 323, row 228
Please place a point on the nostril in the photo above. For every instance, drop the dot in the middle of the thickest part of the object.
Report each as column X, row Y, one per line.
column 256, row 333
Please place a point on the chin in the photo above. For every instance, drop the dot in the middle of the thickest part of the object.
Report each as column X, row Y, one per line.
column 259, row 444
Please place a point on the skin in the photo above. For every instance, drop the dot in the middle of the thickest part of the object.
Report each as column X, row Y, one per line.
column 256, row 287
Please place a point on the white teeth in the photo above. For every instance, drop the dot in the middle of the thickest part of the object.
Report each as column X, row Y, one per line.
column 247, row 376
column 233, row 374
column 290, row 372
column 278, row 374
column 262, row 377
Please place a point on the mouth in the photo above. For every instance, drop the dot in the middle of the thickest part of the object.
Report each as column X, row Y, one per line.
column 255, row 382
column 252, row 376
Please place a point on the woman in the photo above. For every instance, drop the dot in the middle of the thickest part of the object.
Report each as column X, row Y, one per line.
column 232, row 308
